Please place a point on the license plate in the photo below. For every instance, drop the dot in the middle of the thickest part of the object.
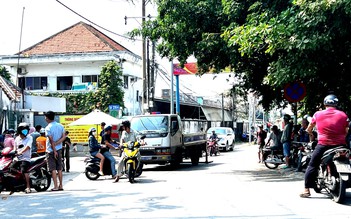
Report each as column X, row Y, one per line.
column 343, row 168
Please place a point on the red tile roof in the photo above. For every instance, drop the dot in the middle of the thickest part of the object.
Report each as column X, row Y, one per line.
column 78, row 38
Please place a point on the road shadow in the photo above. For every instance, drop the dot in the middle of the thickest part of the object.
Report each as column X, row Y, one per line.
column 186, row 166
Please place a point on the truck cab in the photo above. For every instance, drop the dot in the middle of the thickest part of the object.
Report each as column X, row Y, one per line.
column 165, row 141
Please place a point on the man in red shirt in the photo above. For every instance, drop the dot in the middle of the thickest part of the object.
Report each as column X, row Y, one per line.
column 332, row 127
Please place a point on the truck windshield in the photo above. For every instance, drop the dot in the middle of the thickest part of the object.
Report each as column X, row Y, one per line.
column 153, row 126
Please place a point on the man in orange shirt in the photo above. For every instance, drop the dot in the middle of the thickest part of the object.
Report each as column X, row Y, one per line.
column 41, row 142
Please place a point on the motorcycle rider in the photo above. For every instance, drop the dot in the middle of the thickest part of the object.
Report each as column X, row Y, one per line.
column 332, row 127
column 23, row 144
column 106, row 139
column 213, row 136
column 94, row 148
column 127, row 135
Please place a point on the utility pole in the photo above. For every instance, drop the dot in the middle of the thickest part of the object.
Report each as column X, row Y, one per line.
column 144, row 101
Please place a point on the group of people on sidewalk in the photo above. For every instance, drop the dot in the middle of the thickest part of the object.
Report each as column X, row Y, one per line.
column 51, row 141
column 329, row 127
column 283, row 139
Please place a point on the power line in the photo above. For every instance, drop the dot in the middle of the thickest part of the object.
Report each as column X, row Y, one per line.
column 120, row 35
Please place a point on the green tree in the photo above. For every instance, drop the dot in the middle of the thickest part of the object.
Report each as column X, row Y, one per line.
column 4, row 73
column 267, row 43
column 110, row 89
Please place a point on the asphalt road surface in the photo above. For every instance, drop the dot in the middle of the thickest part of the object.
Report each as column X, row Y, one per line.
column 232, row 185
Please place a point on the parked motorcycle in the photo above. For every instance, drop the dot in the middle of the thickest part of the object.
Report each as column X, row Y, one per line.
column 12, row 180
column 273, row 158
column 212, row 147
column 305, row 154
column 334, row 174
column 133, row 166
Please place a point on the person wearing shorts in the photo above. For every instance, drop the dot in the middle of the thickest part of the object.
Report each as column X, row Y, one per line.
column 55, row 135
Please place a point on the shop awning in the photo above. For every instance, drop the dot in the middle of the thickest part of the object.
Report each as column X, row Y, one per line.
column 215, row 114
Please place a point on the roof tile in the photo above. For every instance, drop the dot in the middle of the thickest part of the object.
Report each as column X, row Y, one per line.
column 78, row 38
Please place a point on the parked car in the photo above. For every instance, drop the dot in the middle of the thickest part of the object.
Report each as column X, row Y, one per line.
column 226, row 135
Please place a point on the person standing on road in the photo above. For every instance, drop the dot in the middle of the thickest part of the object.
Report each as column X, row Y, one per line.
column 55, row 134
column 35, row 135
column 303, row 136
column 66, row 145
column 332, row 127
column 41, row 142
column 261, row 136
column 286, row 139
column 106, row 139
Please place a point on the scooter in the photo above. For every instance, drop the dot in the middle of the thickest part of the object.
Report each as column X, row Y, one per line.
column 212, row 147
column 334, row 174
column 92, row 166
column 12, row 180
column 132, row 164
column 273, row 158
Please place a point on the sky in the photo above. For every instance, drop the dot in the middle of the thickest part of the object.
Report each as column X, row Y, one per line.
column 44, row 18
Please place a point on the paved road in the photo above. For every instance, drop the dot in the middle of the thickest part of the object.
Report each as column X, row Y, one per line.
column 234, row 185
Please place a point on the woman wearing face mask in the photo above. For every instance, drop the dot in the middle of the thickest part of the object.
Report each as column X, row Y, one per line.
column 95, row 147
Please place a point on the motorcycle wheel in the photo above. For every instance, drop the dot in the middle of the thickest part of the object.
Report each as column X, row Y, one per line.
column 318, row 185
column 338, row 193
column 139, row 171
column 91, row 175
column 45, row 177
column 271, row 165
column 130, row 172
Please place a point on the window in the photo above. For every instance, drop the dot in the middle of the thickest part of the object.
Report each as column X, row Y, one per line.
column 64, row 83
column 125, row 81
column 174, row 125
column 33, row 83
column 89, row 78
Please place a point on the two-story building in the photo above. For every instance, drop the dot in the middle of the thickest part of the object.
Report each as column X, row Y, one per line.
column 71, row 61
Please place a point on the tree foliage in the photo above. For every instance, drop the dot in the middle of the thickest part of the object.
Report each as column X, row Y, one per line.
column 4, row 73
column 267, row 43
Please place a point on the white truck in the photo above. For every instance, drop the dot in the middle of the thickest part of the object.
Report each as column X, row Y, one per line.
column 165, row 140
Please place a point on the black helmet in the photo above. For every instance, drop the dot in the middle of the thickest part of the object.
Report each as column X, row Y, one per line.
column 126, row 123
column 108, row 128
column 23, row 128
column 331, row 100
column 287, row 117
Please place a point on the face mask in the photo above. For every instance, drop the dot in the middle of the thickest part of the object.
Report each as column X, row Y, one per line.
column 25, row 132
column 94, row 133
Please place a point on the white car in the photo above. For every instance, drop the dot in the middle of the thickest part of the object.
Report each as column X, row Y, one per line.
column 226, row 135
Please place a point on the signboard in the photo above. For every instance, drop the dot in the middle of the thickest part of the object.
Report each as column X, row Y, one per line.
column 113, row 110
column 78, row 134
column 191, row 68
column 294, row 92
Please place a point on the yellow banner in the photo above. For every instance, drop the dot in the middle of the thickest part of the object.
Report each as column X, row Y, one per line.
column 77, row 134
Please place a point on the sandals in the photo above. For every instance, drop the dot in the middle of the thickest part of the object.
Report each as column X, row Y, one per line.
column 27, row 190
column 305, row 195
